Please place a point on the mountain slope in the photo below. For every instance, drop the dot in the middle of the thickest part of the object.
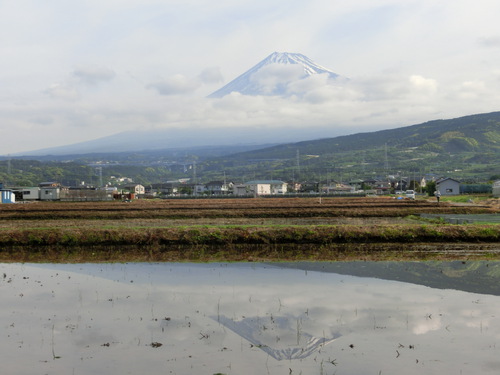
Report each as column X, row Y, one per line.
column 141, row 140
column 272, row 75
column 480, row 133
column 465, row 148
column 474, row 277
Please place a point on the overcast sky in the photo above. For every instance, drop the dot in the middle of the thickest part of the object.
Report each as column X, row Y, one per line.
column 77, row 70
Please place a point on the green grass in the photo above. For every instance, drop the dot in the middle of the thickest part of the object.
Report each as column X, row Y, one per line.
column 465, row 198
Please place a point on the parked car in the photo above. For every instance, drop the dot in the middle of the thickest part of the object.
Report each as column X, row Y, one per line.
column 410, row 194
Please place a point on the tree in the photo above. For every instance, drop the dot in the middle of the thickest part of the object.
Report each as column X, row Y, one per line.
column 185, row 190
column 430, row 188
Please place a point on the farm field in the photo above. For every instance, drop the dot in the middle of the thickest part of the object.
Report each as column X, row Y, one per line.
column 243, row 229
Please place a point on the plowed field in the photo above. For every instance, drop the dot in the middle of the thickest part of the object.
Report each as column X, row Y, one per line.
column 240, row 229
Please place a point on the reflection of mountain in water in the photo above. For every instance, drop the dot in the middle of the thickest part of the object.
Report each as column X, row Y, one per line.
column 474, row 276
column 277, row 344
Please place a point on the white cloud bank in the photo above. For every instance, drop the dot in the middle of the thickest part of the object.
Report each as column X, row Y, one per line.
column 79, row 72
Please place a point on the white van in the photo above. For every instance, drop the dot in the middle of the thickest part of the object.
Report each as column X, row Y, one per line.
column 410, row 194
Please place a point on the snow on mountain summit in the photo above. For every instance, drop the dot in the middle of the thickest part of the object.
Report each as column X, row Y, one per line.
column 309, row 66
column 273, row 75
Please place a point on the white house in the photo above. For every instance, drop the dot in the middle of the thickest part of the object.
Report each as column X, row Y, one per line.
column 448, row 186
column 266, row 187
column 164, row 188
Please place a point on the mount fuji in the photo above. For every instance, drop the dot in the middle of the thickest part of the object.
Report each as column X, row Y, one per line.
column 275, row 75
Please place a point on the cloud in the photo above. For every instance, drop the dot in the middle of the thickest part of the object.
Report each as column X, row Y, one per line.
column 424, row 84
column 93, row 74
column 43, row 120
column 175, row 85
column 211, row 75
column 179, row 84
column 320, row 88
column 63, row 91
column 274, row 77
column 491, row 41
column 473, row 90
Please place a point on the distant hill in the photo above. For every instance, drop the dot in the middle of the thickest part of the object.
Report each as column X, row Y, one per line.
column 465, row 148
column 178, row 140
column 474, row 276
column 144, row 156
column 480, row 133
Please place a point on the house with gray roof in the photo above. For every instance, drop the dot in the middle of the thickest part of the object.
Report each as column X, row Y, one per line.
column 448, row 186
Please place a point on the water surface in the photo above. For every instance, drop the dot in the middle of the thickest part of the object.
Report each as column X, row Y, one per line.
column 300, row 318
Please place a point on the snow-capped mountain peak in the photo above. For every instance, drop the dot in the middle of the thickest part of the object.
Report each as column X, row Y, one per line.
column 310, row 67
column 273, row 74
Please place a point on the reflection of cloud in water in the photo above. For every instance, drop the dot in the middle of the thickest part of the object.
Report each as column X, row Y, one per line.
column 274, row 339
column 128, row 306
column 424, row 326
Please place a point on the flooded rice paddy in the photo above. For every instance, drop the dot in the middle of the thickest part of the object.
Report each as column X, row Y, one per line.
column 244, row 318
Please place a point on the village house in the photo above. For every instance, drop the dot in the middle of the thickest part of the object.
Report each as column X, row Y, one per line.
column 219, row 187
column 163, row 189
column 240, row 190
column 338, row 188
column 357, row 184
column 266, row 187
column 379, row 186
column 50, row 191
column 448, row 186
column 135, row 189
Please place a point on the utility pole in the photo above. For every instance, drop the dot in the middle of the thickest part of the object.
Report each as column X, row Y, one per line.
column 298, row 164
column 386, row 161
column 9, row 167
column 99, row 171
column 9, row 171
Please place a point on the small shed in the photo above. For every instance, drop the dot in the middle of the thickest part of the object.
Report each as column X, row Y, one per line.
column 240, row 190
column 496, row 189
column 6, row 195
column 448, row 186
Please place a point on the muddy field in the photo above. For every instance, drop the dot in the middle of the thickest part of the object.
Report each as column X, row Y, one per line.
column 292, row 208
column 240, row 229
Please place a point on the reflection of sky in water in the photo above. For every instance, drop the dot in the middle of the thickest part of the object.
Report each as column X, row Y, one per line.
column 237, row 319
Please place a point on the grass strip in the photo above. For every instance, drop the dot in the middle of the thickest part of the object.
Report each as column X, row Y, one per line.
column 250, row 235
